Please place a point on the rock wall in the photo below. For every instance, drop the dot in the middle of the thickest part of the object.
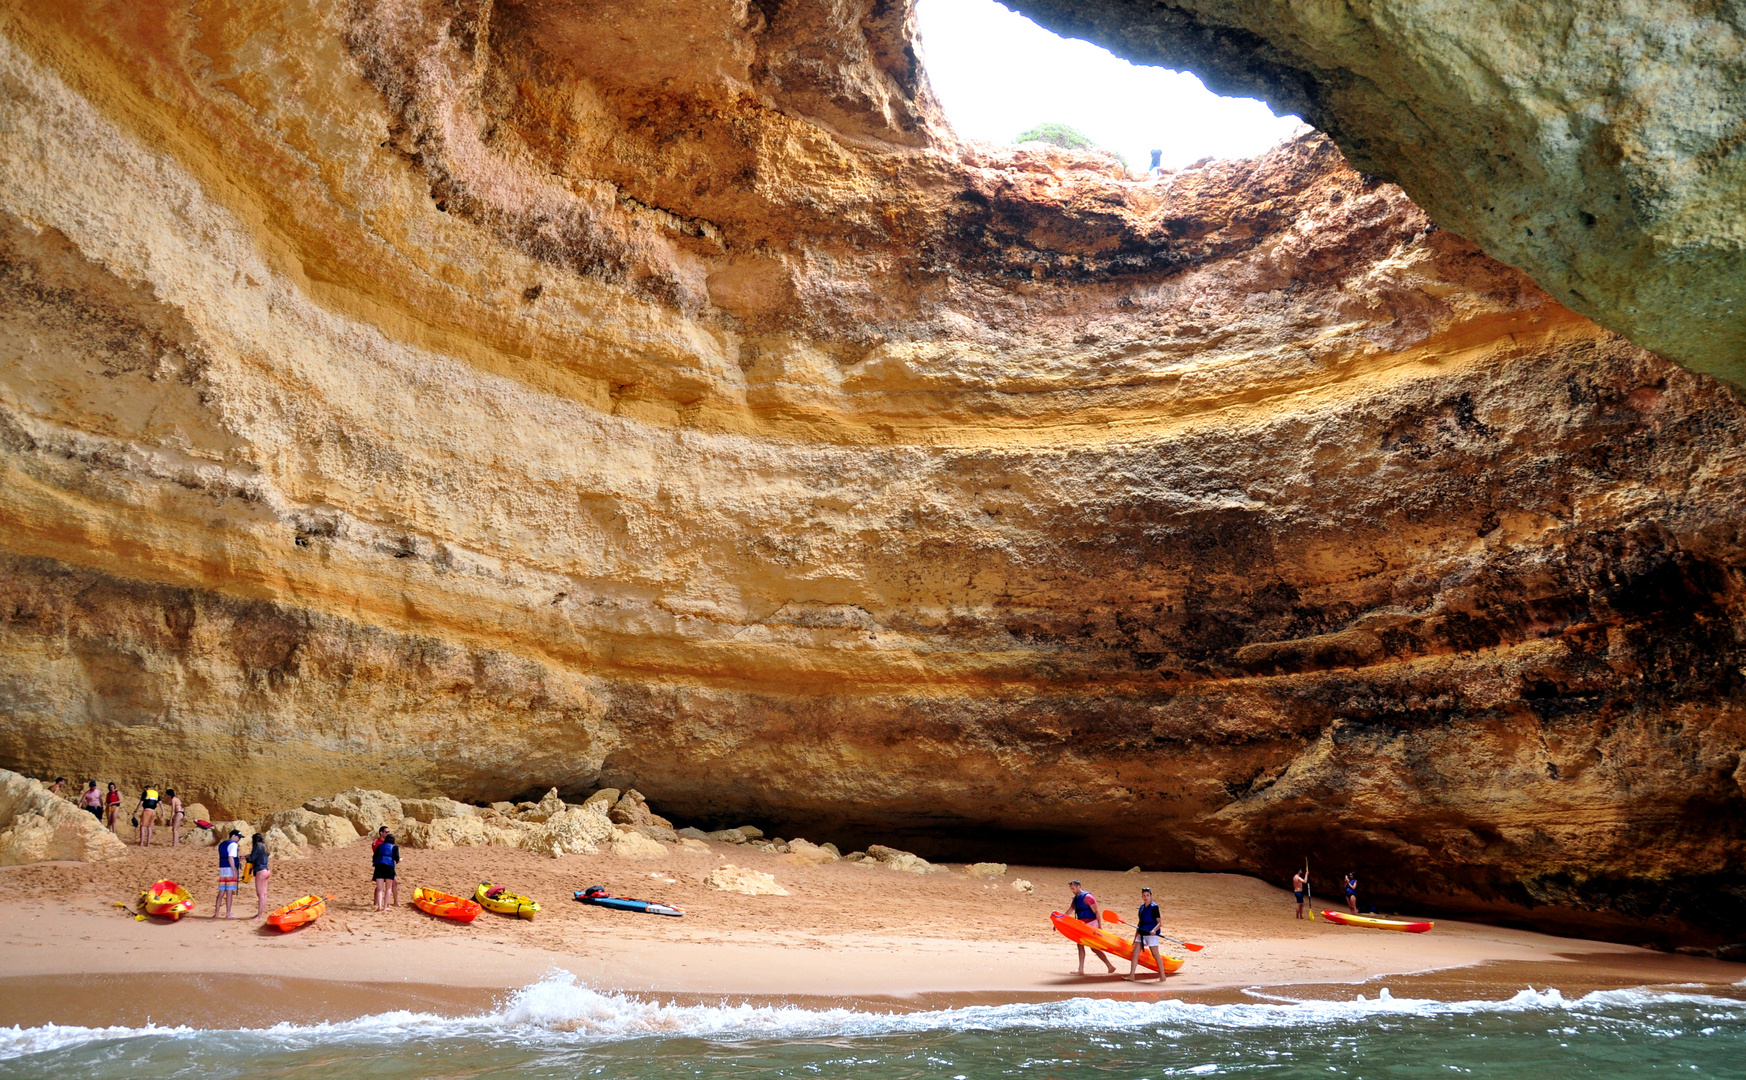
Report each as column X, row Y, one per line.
column 431, row 397
column 1596, row 144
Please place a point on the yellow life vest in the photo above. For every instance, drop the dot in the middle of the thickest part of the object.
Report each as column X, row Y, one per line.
column 151, row 793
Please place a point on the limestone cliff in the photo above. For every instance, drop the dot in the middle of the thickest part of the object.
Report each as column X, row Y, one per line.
column 1597, row 144
column 467, row 398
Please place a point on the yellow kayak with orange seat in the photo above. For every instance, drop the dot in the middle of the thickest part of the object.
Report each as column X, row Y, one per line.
column 1408, row 926
column 166, row 899
column 1103, row 940
column 498, row 898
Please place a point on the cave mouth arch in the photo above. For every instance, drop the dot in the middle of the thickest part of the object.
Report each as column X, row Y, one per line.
column 997, row 74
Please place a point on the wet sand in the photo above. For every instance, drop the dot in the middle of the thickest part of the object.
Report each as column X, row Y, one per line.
column 847, row 934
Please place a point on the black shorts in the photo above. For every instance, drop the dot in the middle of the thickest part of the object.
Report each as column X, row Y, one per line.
column 383, row 873
column 1300, row 898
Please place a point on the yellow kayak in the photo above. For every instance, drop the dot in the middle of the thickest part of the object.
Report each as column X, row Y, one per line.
column 499, row 899
column 1410, row 926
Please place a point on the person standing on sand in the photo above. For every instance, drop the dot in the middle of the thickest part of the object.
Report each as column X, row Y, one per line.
column 176, row 816
column 1299, row 887
column 1085, row 910
column 1352, row 892
column 258, row 857
column 1147, row 922
column 112, row 807
column 92, row 800
column 229, row 865
column 385, row 858
column 145, row 812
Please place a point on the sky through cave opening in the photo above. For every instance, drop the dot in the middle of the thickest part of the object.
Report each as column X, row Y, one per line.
column 998, row 74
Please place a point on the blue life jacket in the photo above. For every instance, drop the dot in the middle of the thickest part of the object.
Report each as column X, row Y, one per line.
column 1149, row 919
column 387, row 854
column 1085, row 907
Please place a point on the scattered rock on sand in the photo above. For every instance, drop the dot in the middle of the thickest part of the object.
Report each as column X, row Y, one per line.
column 903, row 861
column 544, row 810
column 1021, row 885
column 692, row 846
column 986, row 870
column 282, row 845
column 36, row 826
column 433, row 809
column 310, row 829
column 367, row 810
column 606, row 798
column 731, row 878
column 691, row 833
column 576, row 831
column 630, row 844
column 806, row 853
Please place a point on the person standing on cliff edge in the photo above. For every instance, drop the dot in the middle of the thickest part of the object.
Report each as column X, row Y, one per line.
column 1085, row 910
column 1352, row 892
column 1299, row 887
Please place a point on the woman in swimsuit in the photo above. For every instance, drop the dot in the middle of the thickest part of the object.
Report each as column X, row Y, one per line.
column 1352, row 892
column 145, row 813
column 258, row 857
column 92, row 800
column 112, row 803
column 176, row 816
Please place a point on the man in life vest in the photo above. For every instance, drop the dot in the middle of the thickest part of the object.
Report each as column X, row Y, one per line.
column 229, row 863
column 1147, row 923
column 1085, row 910
column 145, row 812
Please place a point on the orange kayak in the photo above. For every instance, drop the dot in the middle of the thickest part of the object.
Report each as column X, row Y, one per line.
column 445, row 906
column 167, row 899
column 1346, row 918
column 1107, row 941
column 299, row 912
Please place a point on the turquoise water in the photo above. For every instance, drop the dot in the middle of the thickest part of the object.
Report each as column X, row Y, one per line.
column 558, row 1028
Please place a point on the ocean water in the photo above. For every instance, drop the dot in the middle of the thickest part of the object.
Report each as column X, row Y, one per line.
column 560, row 1028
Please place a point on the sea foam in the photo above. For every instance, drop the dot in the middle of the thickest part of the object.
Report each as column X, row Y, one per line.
column 560, row 1008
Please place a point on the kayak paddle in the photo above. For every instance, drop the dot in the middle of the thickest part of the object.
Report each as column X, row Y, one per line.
column 1110, row 916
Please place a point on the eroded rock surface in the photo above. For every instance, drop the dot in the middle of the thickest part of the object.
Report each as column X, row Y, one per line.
column 453, row 399
column 1597, row 144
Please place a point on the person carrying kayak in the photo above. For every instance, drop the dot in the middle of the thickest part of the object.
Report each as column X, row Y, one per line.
column 1147, row 923
column 1085, row 910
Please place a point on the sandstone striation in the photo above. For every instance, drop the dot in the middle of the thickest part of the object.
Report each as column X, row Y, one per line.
column 1595, row 144
column 464, row 402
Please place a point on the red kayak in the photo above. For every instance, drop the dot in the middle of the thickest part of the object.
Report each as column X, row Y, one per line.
column 1346, row 918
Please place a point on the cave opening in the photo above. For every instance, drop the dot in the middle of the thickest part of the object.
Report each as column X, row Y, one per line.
column 1001, row 78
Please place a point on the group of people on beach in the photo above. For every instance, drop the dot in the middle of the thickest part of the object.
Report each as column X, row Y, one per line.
column 233, row 867
column 105, row 806
column 1300, row 888
column 1148, row 924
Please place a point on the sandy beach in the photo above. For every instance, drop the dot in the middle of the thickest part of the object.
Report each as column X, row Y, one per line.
column 856, row 933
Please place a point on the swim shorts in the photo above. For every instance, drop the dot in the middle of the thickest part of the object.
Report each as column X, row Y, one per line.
column 1151, row 941
column 383, row 873
column 1299, row 897
column 226, row 882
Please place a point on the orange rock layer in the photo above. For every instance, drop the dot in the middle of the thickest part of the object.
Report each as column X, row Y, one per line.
column 472, row 398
